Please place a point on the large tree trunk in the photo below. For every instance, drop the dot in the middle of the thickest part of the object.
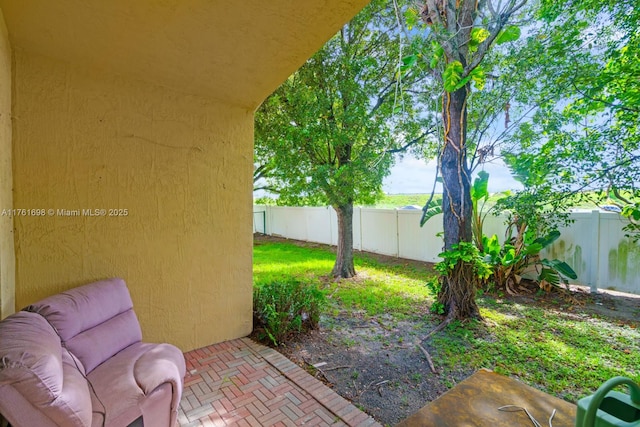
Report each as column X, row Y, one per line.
column 344, row 258
column 459, row 287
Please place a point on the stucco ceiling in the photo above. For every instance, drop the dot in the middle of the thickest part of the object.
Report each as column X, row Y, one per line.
column 237, row 51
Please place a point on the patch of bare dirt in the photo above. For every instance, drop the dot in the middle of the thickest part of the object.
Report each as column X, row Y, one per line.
column 374, row 365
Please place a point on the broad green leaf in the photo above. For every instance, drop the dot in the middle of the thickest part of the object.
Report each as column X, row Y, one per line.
column 561, row 267
column 479, row 77
column 548, row 239
column 452, row 76
column 409, row 60
column 491, row 246
column 411, row 17
column 550, row 275
column 533, row 249
column 478, row 35
column 509, row 34
column 509, row 257
column 480, row 188
column 438, row 52
column 430, row 210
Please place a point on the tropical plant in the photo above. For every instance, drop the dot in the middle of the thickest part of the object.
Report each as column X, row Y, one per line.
column 526, row 236
column 519, row 255
column 479, row 197
column 511, row 260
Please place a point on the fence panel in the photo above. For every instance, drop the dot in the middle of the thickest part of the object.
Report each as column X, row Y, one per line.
column 260, row 219
column 415, row 242
column 288, row 222
column 357, row 229
column 318, row 225
column 577, row 242
column 594, row 244
column 381, row 235
column 619, row 257
column 494, row 225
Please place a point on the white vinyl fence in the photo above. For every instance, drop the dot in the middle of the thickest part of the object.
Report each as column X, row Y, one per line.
column 594, row 244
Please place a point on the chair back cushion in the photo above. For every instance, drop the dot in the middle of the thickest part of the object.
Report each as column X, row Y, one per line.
column 94, row 321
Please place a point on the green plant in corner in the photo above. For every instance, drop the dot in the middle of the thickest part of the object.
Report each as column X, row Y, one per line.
column 284, row 307
column 479, row 197
column 522, row 245
column 522, row 252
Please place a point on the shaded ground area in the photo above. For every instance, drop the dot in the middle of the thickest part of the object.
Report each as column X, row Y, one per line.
column 375, row 366
column 374, row 362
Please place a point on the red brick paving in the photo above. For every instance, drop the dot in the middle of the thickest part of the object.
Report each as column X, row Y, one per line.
column 242, row 383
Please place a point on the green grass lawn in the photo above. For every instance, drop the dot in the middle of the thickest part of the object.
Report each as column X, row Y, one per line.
column 562, row 349
column 380, row 288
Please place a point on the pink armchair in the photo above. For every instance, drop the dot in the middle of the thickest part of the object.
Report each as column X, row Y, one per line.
column 76, row 359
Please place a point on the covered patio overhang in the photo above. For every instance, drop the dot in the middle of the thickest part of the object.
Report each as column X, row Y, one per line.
column 126, row 137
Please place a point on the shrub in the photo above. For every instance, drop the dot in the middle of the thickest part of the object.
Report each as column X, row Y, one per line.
column 285, row 307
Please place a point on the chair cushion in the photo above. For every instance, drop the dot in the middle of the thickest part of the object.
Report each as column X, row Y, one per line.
column 94, row 321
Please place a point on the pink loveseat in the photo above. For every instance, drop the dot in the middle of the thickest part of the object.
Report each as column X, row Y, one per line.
column 76, row 359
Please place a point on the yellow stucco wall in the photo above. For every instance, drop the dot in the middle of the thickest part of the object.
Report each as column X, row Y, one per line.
column 181, row 165
column 7, row 258
column 236, row 51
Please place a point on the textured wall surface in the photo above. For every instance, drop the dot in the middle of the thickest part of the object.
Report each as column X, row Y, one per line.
column 7, row 256
column 234, row 51
column 180, row 165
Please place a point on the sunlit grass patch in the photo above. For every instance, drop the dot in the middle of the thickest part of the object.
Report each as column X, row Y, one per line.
column 377, row 296
column 566, row 355
column 378, row 289
column 280, row 260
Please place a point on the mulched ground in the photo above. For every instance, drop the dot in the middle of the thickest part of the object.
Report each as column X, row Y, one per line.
column 374, row 362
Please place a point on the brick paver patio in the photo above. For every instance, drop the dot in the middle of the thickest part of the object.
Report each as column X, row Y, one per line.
column 243, row 383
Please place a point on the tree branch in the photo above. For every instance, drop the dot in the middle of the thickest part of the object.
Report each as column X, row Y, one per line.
column 412, row 142
column 607, row 103
column 501, row 19
column 268, row 188
column 261, row 171
column 431, row 14
column 603, row 173
column 616, row 193
column 382, row 96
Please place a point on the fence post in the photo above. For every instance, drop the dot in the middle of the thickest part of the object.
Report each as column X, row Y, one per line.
column 397, row 234
column 269, row 213
column 595, row 253
column 361, row 230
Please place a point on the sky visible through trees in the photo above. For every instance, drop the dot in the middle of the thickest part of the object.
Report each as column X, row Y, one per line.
column 411, row 175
